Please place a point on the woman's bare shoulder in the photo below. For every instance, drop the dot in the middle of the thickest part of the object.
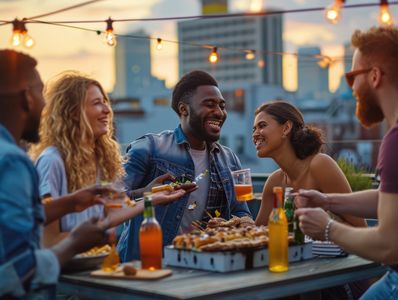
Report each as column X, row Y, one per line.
column 320, row 161
column 275, row 178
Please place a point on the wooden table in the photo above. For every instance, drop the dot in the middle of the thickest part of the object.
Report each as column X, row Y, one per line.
column 302, row 277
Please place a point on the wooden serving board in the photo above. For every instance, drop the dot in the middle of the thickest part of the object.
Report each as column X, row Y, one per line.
column 140, row 275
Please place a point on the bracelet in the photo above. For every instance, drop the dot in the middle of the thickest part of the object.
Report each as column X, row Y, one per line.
column 327, row 230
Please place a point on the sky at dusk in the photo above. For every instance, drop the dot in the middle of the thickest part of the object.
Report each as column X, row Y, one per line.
column 58, row 49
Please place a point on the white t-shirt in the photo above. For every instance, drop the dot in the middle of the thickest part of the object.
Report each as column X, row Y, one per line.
column 197, row 200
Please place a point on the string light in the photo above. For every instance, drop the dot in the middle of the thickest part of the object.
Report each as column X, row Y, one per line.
column 332, row 12
column 28, row 41
column 250, row 54
column 213, row 57
column 261, row 63
column 16, row 36
column 159, row 44
column 109, row 37
column 20, row 35
column 385, row 17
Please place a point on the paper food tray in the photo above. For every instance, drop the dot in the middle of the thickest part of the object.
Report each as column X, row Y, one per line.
column 227, row 261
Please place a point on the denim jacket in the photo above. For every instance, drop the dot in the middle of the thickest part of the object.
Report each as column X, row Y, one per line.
column 155, row 154
column 26, row 270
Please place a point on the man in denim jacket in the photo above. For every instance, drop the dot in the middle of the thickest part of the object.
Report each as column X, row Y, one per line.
column 190, row 152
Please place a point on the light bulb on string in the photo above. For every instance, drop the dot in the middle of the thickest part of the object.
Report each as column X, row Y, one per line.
column 333, row 11
column 213, row 57
column 16, row 36
column 109, row 38
column 250, row 54
column 159, row 44
column 261, row 64
column 28, row 41
column 385, row 17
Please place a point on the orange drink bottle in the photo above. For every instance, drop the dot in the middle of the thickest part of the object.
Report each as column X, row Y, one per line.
column 150, row 238
column 278, row 235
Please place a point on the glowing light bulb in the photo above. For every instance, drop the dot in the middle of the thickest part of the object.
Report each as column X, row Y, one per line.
column 332, row 12
column 256, row 5
column 213, row 57
column 159, row 44
column 28, row 41
column 109, row 38
column 385, row 17
column 16, row 36
column 251, row 54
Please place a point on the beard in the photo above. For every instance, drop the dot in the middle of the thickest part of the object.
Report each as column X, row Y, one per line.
column 197, row 126
column 31, row 134
column 368, row 110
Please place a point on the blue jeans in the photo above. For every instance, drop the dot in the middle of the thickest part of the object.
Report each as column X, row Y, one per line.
column 384, row 289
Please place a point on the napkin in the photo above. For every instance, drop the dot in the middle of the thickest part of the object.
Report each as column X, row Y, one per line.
column 327, row 249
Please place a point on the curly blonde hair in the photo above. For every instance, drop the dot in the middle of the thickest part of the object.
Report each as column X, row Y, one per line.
column 64, row 124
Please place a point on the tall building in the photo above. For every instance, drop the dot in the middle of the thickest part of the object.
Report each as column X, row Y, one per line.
column 313, row 80
column 263, row 34
column 133, row 66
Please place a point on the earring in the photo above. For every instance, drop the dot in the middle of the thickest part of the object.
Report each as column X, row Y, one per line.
column 283, row 136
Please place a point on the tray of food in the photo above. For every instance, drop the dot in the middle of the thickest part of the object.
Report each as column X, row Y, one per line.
column 88, row 260
column 225, row 246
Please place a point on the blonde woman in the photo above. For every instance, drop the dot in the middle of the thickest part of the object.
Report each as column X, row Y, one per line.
column 77, row 148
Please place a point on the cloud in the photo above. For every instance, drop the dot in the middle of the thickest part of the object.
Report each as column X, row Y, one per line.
column 300, row 34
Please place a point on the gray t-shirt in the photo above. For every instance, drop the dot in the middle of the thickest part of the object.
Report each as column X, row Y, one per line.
column 53, row 181
column 197, row 200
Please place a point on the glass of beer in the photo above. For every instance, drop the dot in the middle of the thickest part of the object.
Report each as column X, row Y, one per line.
column 243, row 185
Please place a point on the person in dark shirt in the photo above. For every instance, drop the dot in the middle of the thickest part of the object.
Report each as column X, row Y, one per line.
column 374, row 81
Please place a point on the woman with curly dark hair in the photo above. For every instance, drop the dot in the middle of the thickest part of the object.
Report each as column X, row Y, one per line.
column 279, row 132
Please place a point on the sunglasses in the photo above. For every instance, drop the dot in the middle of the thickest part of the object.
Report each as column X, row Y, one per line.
column 350, row 76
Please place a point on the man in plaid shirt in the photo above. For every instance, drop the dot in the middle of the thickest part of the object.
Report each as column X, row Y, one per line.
column 190, row 152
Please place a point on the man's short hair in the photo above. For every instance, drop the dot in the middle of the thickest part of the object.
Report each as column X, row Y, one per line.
column 188, row 84
column 379, row 47
column 15, row 70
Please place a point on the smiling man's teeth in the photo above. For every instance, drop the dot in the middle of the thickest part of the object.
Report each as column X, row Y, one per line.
column 214, row 123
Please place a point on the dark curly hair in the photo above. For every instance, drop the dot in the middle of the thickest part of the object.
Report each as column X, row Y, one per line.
column 187, row 86
column 306, row 140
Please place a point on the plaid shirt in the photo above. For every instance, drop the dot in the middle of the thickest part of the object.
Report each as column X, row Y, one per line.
column 26, row 271
column 155, row 154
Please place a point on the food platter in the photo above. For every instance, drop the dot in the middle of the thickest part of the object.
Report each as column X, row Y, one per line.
column 88, row 260
column 227, row 261
column 82, row 263
column 228, row 245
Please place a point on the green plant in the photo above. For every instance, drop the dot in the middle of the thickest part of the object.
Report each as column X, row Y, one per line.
column 356, row 176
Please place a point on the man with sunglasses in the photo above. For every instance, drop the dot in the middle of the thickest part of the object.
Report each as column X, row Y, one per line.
column 374, row 81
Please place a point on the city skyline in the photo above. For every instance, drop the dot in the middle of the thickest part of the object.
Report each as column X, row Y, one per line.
column 60, row 48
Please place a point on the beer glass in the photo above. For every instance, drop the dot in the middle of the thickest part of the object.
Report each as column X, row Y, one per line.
column 243, row 185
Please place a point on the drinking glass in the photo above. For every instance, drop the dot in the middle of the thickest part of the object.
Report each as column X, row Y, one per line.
column 243, row 185
column 116, row 199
